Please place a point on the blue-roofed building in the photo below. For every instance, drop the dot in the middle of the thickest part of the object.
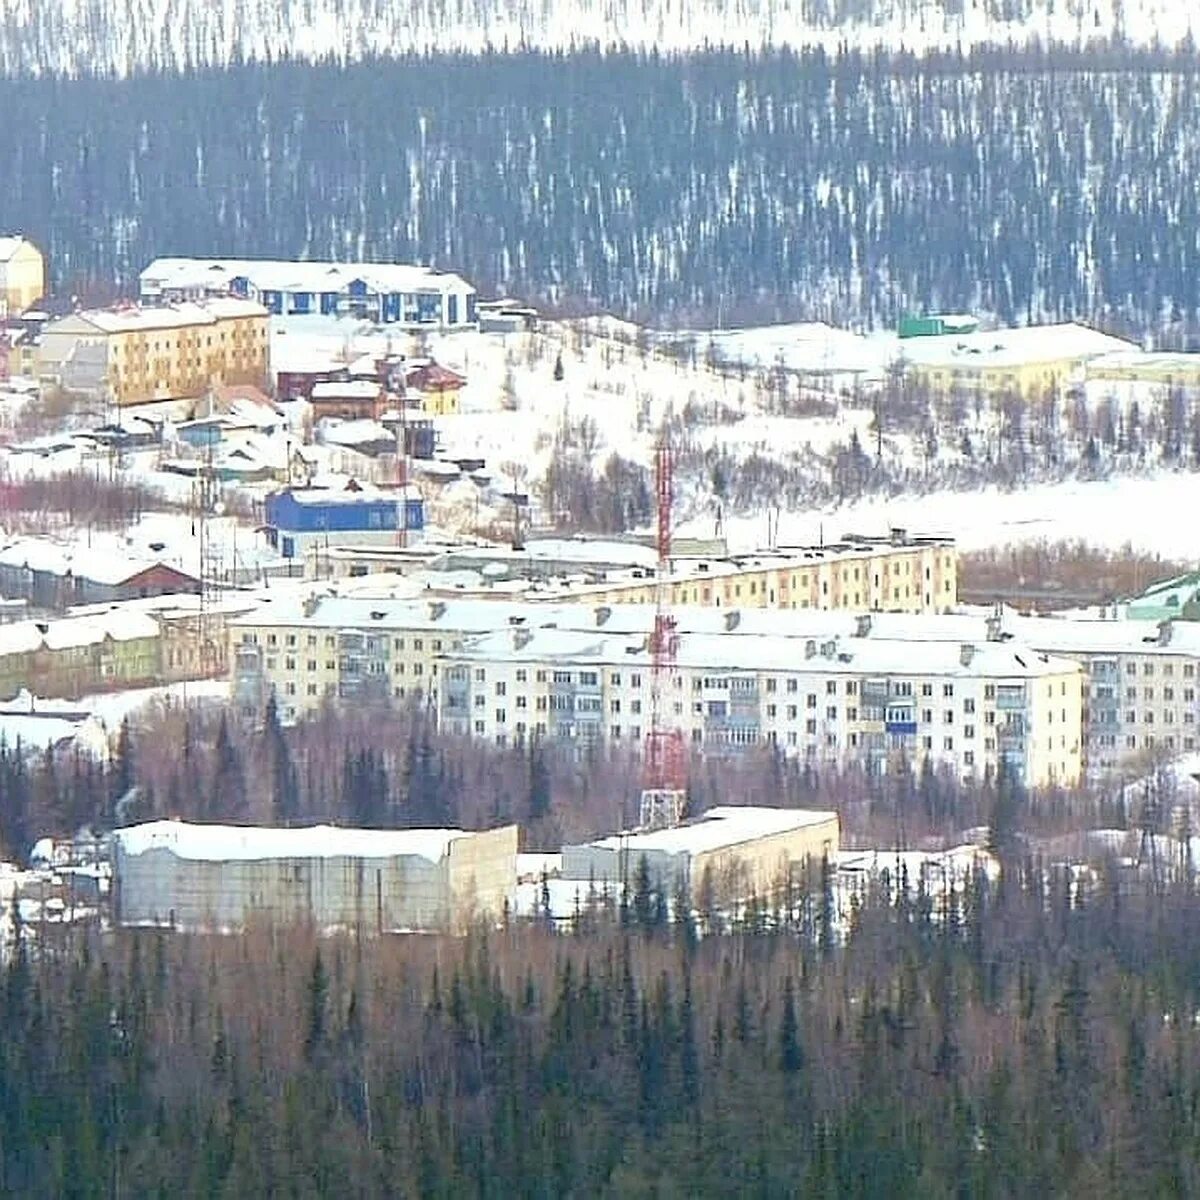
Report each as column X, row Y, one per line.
column 300, row 521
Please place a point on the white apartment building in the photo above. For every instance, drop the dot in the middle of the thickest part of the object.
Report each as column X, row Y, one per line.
column 967, row 706
column 1139, row 678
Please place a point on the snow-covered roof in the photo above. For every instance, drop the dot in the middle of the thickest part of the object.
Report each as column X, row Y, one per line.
column 219, row 843
column 363, row 494
column 1158, row 361
column 1012, row 347
column 347, row 389
column 774, row 652
column 9, row 245
column 280, row 276
column 131, row 318
column 99, row 564
column 21, row 637
column 725, row 825
column 354, row 433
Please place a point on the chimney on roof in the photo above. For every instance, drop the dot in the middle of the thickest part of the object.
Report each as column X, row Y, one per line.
column 966, row 654
column 522, row 638
column 898, row 535
column 829, row 648
column 862, row 625
column 310, row 604
column 810, row 649
column 995, row 621
column 732, row 620
column 437, row 610
column 1164, row 633
column 602, row 614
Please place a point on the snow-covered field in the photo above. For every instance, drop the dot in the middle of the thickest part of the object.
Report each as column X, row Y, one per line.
column 623, row 383
column 1153, row 514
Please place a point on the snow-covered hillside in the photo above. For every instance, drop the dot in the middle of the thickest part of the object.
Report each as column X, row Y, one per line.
column 117, row 37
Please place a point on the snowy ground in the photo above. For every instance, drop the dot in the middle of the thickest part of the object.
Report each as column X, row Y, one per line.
column 625, row 382
column 1152, row 514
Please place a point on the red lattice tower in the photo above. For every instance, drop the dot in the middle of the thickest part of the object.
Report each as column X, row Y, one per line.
column 664, row 784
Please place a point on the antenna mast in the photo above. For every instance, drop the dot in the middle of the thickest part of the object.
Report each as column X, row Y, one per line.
column 206, row 494
column 398, row 385
column 664, row 787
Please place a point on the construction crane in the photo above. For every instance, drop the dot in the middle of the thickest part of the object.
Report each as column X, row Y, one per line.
column 664, row 784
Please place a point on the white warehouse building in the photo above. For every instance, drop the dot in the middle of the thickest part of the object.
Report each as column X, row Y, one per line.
column 224, row 877
column 739, row 848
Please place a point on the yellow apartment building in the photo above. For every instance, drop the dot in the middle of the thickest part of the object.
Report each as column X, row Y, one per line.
column 1030, row 361
column 22, row 275
column 920, row 576
column 134, row 355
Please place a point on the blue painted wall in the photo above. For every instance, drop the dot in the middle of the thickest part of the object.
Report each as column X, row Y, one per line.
column 284, row 512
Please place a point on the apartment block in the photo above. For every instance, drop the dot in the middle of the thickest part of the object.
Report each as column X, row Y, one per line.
column 348, row 651
column 970, row 707
column 1139, row 692
column 132, row 355
column 895, row 574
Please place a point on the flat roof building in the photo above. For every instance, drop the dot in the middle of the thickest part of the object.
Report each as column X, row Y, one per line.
column 740, row 849
column 223, row 877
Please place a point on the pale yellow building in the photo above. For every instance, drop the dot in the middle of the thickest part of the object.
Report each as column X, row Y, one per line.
column 1031, row 361
column 22, row 275
column 919, row 576
column 133, row 355
column 1135, row 366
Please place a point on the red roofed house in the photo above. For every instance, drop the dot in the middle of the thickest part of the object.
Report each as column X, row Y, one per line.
column 438, row 386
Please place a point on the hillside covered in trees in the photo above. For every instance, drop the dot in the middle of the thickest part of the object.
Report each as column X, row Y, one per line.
column 1022, row 1040
column 721, row 187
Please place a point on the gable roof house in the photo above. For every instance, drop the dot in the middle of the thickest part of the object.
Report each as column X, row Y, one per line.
column 22, row 275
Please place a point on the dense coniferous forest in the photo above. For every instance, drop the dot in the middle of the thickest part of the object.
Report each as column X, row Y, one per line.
column 719, row 187
column 1024, row 1039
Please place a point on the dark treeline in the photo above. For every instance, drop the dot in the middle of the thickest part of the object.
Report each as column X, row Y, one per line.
column 379, row 767
column 717, row 186
column 1020, row 1039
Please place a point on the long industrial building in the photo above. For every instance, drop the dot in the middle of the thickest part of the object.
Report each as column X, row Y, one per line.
column 224, row 877
column 734, row 850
